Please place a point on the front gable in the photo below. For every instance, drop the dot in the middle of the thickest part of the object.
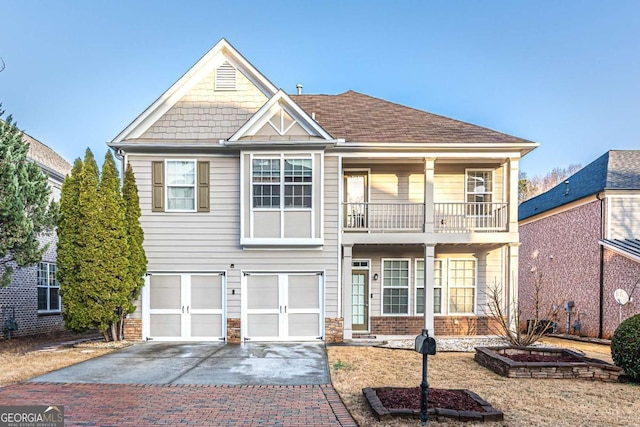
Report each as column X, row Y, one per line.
column 209, row 102
column 280, row 119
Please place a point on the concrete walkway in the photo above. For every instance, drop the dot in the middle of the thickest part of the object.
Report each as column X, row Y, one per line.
column 198, row 384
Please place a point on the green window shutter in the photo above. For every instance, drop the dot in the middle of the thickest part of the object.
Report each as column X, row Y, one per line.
column 157, row 190
column 203, row 186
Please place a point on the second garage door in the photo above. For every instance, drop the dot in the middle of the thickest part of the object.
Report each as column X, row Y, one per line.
column 282, row 306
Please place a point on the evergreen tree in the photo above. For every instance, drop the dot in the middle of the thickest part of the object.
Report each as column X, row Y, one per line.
column 25, row 211
column 135, row 238
column 112, row 263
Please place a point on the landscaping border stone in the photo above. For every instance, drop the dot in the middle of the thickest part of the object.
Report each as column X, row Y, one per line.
column 495, row 359
column 490, row 413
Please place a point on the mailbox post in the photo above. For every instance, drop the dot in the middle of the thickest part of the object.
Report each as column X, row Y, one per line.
column 425, row 345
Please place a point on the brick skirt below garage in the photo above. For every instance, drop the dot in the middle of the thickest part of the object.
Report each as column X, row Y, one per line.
column 444, row 325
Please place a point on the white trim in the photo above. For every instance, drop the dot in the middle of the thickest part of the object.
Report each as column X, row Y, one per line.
column 281, row 241
column 261, row 118
column 369, row 290
column 194, row 186
column 340, row 310
column 620, row 252
column 475, row 286
column 48, row 287
column 609, row 214
column 206, row 64
column 382, row 287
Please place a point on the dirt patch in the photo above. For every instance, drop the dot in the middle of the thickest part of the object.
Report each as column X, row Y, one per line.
column 525, row 402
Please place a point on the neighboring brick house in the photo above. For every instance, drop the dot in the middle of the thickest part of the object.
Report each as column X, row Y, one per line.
column 270, row 216
column 33, row 291
column 582, row 236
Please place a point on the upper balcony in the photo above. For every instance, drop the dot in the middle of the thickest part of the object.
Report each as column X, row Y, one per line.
column 415, row 201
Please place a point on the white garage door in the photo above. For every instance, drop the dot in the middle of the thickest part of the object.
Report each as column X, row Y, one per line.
column 185, row 307
column 282, row 306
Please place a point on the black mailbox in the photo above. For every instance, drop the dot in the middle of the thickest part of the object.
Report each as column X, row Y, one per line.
column 425, row 345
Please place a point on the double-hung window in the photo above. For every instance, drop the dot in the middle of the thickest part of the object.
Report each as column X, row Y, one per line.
column 181, row 185
column 48, row 288
column 395, row 286
column 462, row 286
column 437, row 286
column 479, row 191
column 273, row 177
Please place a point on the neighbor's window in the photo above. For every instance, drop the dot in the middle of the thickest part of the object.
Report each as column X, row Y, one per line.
column 462, row 285
column 273, row 177
column 395, row 284
column 479, row 190
column 48, row 288
column 181, row 185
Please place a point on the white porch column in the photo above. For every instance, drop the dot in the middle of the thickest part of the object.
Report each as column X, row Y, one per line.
column 512, row 285
column 512, row 198
column 429, row 280
column 428, row 194
column 347, row 320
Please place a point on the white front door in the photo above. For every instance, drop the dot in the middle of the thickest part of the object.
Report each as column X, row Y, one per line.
column 282, row 306
column 185, row 307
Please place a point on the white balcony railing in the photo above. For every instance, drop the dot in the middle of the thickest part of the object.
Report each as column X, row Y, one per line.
column 448, row 217
column 464, row 217
column 384, row 216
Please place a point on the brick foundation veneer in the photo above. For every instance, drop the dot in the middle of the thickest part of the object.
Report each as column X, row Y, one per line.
column 233, row 331
column 333, row 328
column 133, row 329
column 444, row 325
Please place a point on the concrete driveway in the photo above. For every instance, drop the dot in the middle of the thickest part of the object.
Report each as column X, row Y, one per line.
column 202, row 363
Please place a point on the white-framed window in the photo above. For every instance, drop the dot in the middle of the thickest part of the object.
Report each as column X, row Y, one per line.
column 274, row 177
column 226, row 77
column 478, row 191
column 437, row 286
column 461, row 286
column 48, row 288
column 395, row 286
column 181, row 185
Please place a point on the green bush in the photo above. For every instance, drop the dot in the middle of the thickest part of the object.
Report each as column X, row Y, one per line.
column 625, row 346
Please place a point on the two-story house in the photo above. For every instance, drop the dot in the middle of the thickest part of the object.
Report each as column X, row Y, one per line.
column 581, row 237
column 33, row 294
column 270, row 216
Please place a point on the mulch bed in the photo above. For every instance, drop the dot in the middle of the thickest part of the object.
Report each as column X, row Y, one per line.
column 463, row 405
column 561, row 357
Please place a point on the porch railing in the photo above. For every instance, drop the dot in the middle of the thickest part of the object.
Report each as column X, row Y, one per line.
column 384, row 216
column 448, row 217
column 464, row 217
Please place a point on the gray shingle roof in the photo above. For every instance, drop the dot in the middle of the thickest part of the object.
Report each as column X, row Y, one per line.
column 614, row 170
column 356, row 117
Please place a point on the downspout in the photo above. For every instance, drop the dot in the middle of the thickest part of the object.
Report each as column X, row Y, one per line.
column 601, row 305
column 120, row 156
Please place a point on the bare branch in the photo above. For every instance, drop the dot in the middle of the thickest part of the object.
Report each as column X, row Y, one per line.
column 2, row 64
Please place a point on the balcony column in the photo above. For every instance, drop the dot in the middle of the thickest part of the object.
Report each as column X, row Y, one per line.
column 429, row 186
column 514, row 172
column 429, row 281
column 347, row 293
column 511, row 305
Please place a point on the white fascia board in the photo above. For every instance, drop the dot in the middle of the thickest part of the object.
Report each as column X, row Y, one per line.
column 522, row 148
column 620, row 251
column 204, row 65
column 261, row 117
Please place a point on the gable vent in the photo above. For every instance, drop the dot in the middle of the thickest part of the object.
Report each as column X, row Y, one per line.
column 226, row 77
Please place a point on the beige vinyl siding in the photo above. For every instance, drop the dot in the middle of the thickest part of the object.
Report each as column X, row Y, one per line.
column 450, row 182
column 624, row 217
column 210, row 241
column 397, row 183
column 204, row 113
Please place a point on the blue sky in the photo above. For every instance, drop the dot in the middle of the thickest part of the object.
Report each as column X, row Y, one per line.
column 565, row 73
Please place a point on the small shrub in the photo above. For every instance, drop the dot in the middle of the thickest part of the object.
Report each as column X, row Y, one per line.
column 338, row 365
column 625, row 346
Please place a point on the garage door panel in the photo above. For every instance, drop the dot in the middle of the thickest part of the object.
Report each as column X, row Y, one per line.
column 206, row 292
column 263, row 292
column 263, row 325
column 304, row 325
column 304, row 292
column 165, row 292
column 206, row 325
column 165, row 325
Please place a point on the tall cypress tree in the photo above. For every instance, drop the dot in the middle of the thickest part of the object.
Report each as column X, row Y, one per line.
column 135, row 238
column 112, row 262
column 25, row 212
